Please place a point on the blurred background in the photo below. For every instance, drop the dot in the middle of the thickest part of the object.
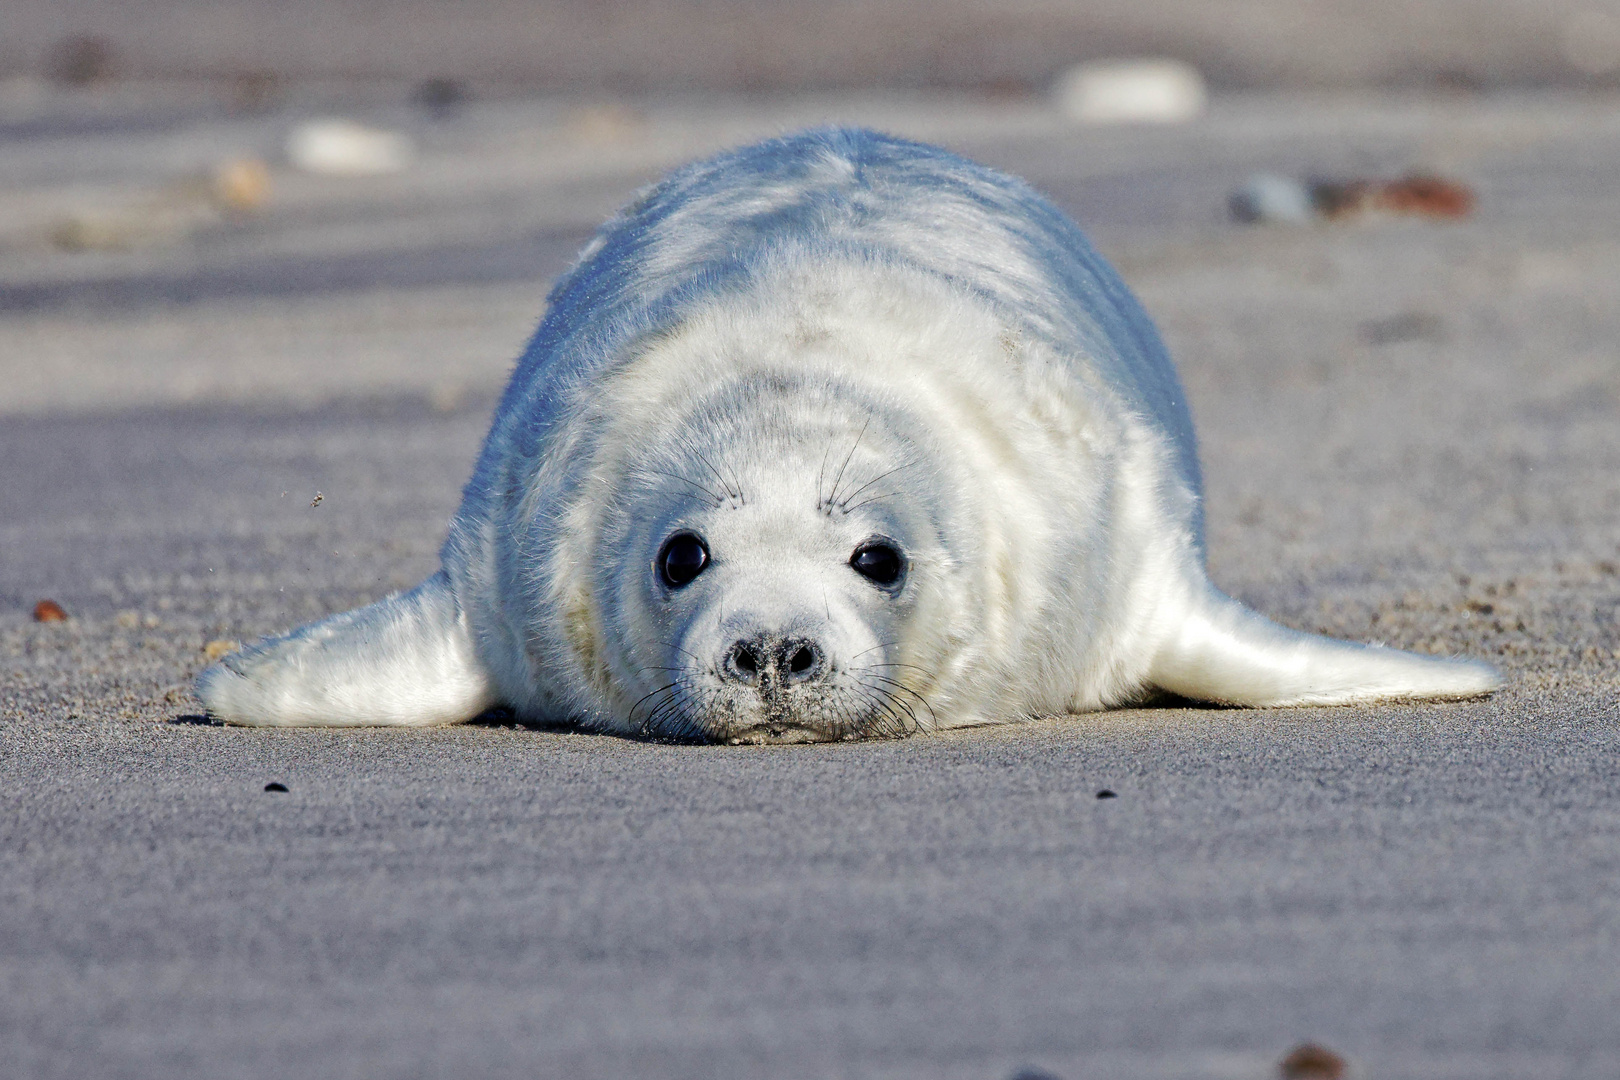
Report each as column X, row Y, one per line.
column 625, row 46
column 354, row 153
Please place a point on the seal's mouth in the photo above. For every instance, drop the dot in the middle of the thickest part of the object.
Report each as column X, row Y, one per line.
column 773, row 734
column 780, row 730
column 690, row 711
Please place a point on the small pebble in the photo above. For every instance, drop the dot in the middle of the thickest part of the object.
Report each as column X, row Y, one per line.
column 605, row 123
column 240, row 185
column 446, row 397
column 1150, row 91
column 273, row 786
column 219, row 647
column 49, row 611
column 254, row 91
column 440, row 98
column 1427, row 196
column 347, row 149
column 1407, row 326
column 81, row 60
column 1310, row 1061
column 1106, row 794
column 1265, row 197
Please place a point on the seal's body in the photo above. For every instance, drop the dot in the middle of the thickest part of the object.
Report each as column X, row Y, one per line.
column 835, row 435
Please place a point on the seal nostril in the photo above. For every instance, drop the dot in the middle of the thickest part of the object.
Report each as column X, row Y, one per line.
column 768, row 661
column 800, row 661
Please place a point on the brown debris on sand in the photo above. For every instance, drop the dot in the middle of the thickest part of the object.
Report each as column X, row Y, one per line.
column 1417, row 195
column 1311, row 1061
column 1271, row 199
column 50, row 611
column 218, row 648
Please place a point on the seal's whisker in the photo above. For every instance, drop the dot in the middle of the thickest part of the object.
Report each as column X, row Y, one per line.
column 855, row 711
column 868, row 501
column 715, row 497
column 889, row 679
column 913, row 667
column 877, row 716
column 911, row 713
column 660, row 690
column 832, row 496
column 692, row 728
column 851, row 718
column 902, row 688
column 821, row 479
column 675, row 692
column 631, row 716
column 889, row 708
column 910, row 693
column 844, row 505
column 677, row 648
column 735, row 494
column 657, row 727
column 870, row 715
column 894, row 686
column 875, row 648
column 882, row 705
column 735, row 480
column 913, row 725
column 678, row 720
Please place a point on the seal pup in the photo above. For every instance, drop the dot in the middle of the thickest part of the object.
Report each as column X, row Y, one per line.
column 836, row 435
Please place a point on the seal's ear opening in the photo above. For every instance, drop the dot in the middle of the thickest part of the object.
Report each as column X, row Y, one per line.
column 1218, row 650
column 405, row 660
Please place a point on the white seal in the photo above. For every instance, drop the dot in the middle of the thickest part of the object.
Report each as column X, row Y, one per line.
column 832, row 436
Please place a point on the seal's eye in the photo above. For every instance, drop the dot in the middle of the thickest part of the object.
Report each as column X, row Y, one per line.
column 683, row 558
column 878, row 562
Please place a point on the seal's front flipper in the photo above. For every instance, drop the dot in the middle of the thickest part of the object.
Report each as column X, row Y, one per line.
column 1221, row 651
column 405, row 660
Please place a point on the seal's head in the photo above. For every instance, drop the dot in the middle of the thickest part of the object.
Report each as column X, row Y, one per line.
column 796, row 514
column 764, row 566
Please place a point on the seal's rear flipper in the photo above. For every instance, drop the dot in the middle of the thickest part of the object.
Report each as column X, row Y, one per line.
column 1221, row 651
column 405, row 660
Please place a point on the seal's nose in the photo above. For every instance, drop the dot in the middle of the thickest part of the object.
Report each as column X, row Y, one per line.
column 767, row 661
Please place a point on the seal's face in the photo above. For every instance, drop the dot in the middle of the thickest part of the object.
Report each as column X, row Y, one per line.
column 772, row 591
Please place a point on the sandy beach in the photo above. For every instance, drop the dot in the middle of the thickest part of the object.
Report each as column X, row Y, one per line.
column 1409, row 435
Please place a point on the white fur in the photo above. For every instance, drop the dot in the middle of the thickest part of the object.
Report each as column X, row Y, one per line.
column 792, row 350
column 405, row 660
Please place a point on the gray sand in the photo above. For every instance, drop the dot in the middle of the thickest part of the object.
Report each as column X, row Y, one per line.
column 1409, row 431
